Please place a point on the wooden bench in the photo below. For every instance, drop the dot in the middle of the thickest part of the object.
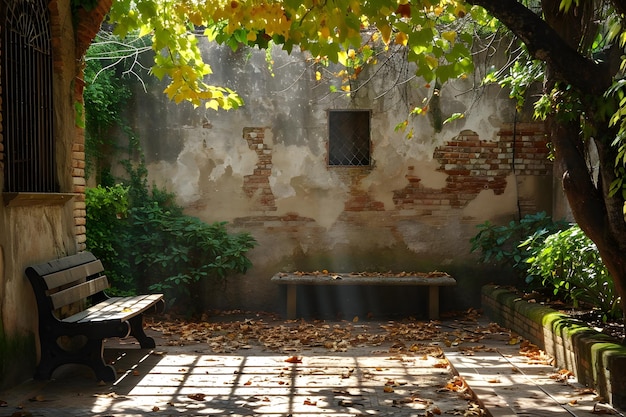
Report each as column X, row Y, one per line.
column 432, row 280
column 76, row 283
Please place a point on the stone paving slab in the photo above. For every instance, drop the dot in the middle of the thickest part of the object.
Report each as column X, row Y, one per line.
column 510, row 384
column 190, row 380
column 173, row 381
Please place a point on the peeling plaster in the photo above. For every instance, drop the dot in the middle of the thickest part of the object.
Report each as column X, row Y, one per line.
column 486, row 202
column 304, row 185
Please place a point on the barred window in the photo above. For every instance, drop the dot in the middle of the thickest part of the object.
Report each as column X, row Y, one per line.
column 349, row 137
column 27, row 117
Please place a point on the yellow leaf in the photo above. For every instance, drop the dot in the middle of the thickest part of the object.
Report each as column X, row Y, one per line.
column 432, row 61
column 212, row 104
column 388, row 389
column 356, row 7
column 342, row 58
column 385, row 32
column 251, row 36
column 355, row 319
column 450, row 36
column 401, row 39
column 325, row 32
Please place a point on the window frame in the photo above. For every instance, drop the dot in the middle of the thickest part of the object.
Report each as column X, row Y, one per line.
column 335, row 155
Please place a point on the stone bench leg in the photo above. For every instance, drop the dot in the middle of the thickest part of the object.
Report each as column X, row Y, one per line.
column 291, row 301
column 433, row 302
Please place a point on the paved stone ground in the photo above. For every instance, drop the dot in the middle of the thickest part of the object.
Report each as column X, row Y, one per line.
column 189, row 379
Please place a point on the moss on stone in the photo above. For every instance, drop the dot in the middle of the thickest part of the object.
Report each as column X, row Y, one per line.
column 17, row 356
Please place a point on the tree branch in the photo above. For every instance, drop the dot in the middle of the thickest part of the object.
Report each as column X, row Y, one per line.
column 544, row 43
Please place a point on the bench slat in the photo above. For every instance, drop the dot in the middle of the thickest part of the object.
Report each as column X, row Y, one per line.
column 79, row 292
column 76, row 273
column 61, row 264
column 116, row 308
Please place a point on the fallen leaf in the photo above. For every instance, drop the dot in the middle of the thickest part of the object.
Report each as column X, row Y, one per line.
column 309, row 402
column 443, row 363
column 197, row 397
column 388, row 389
column 294, row 359
column 155, row 408
column 586, row 391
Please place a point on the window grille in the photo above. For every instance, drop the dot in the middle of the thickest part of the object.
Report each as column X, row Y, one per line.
column 349, row 137
column 27, row 117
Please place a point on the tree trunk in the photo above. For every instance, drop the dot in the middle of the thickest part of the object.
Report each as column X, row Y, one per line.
column 557, row 41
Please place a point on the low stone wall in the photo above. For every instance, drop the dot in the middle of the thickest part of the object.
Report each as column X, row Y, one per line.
column 596, row 359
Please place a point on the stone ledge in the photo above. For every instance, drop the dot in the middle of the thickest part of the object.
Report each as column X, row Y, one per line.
column 596, row 359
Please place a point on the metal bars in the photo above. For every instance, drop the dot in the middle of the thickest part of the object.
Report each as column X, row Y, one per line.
column 27, row 112
column 349, row 137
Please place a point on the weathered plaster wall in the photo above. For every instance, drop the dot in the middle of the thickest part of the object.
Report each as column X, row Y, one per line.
column 263, row 168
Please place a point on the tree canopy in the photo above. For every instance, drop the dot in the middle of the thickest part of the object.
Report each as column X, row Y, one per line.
column 342, row 31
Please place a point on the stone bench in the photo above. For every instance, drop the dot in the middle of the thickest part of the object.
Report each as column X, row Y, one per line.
column 432, row 280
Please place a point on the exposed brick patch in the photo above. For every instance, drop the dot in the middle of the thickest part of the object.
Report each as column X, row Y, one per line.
column 473, row 165
column 257, row 185
column 88, row 24
column 290, row 225
column 358, row 198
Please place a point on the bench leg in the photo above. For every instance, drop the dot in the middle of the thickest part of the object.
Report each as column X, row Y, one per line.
column 433, row 302
column 94, row 359
column 291, row 301
column 136, row 330
column 53, row 356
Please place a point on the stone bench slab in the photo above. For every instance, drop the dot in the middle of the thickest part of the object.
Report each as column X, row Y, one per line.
column 432, row 280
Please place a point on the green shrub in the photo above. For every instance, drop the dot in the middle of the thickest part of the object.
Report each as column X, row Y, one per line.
column 108, row 234
column 501, row 244
column 150, row 245
column 178, row 254
column 550, row 256
column 568, row 262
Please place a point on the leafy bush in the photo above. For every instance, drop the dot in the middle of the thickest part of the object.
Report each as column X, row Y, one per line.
column 569, row 263
column 150, row 245
column 501, row 244
column 108, row 234
column 553, row 256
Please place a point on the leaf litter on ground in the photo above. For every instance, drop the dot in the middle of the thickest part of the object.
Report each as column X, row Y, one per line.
column 228, row 332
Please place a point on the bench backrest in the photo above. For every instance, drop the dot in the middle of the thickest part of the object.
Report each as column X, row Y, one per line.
column 64, row 281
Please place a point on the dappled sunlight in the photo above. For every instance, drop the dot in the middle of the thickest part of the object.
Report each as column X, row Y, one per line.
column 270, row 367
column 364, row 382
